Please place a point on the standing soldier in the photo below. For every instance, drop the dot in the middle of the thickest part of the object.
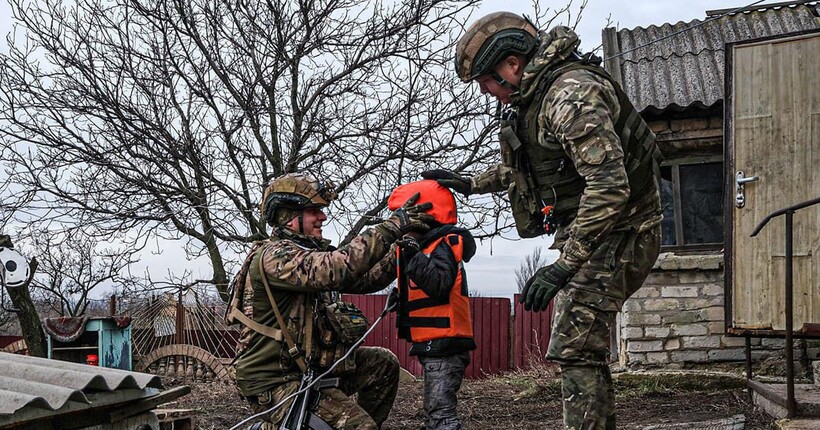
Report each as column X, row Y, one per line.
column 286, row 296
column 577, row 160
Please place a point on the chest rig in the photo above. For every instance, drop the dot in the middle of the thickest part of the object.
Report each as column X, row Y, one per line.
column 543, row 175
column 317, row 331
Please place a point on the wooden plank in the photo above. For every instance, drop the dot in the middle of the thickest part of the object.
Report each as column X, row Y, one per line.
column 752, row 107
column 814, row 214
column 776, row 137
column 147, row 404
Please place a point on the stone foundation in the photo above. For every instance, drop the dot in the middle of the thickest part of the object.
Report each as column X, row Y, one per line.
column 677, row 318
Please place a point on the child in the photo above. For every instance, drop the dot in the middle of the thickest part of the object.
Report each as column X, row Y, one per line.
column 434, row 308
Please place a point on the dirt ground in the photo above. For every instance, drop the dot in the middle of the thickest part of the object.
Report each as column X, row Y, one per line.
column 529, row 400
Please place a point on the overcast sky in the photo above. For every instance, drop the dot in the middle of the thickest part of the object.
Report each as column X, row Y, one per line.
column 491, row 272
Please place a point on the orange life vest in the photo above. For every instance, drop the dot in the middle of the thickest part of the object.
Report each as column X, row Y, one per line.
column 421, row 317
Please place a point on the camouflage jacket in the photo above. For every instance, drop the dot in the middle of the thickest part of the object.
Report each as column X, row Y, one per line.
column 576, row 116
column 296, row 265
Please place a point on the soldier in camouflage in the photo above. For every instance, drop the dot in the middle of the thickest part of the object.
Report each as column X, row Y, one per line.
column 577, row 160
column 294, row 276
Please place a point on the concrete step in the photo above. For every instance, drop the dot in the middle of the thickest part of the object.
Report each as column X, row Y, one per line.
column 737, row 422
column 772, row 399
column 797, row 424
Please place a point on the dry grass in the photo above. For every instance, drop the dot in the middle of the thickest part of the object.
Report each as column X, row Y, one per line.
column 529, row 399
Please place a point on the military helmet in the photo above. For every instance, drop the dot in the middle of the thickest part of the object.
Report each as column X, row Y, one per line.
column 295, row 192
column 491, row 39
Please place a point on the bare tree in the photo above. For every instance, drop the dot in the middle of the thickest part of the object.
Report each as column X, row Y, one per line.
column 167, row 118
column 529, row 266
column 72, row 267
column 24, row 308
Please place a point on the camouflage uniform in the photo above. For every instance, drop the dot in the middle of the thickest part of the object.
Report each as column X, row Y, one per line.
column 606, row 200
column 297, row 265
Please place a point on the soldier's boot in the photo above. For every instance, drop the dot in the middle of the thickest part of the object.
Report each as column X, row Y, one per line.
column 589, row 398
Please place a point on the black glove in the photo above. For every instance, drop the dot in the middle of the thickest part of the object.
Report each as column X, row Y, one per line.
column 409, row 246
column 449, row 179
column 544, row 285
column 412, row 217
column 393, row 300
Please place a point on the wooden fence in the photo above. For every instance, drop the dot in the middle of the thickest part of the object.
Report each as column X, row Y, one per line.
column 505, row 341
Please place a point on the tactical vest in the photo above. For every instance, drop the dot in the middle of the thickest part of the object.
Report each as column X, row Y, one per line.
column 421, row 317
column 544, row 175
column 319, row 328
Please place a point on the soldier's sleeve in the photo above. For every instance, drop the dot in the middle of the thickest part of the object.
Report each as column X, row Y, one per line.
column 294, row 268
column 377, row 278
column 581, row 108
column 494, row 179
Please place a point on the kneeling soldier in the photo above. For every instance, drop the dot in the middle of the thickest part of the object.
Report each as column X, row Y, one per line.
column 287, row 297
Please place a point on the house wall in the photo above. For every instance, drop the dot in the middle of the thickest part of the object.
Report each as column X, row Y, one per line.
column 677, row 318
column 688, row 137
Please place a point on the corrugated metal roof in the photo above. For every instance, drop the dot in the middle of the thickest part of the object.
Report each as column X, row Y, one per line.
column 687, row 69
column 32, row 382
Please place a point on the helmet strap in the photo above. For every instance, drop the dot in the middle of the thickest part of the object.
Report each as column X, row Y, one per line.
column 301, row 223
column 503, row 82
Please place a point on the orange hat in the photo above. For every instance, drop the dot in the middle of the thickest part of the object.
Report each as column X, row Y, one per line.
column 444, row 204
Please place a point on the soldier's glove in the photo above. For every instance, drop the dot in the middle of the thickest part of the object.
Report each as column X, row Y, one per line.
column 412, row 217
column 544, row 285
column 393, row 300
column 409, row 246
column 451, row 180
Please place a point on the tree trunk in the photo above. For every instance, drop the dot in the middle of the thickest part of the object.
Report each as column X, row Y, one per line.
column 29, row 318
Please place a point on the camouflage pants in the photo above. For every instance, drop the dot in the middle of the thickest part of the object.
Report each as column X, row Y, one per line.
column 442, row 380
column 375, row 381
column 584, row 313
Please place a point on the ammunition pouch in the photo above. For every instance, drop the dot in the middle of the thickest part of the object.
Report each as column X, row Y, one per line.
column 240, row 292
column 338, row 327
column 524, row 199
column 529, row 221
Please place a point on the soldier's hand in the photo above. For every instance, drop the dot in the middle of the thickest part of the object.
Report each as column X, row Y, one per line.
column 413, row 217
column 393, row 300
column 449, row 179
column 544, row 285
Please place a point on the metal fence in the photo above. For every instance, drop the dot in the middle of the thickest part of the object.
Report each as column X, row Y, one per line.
column 505, row 341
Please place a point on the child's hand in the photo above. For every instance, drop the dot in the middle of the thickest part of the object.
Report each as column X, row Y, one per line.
column 409, row 246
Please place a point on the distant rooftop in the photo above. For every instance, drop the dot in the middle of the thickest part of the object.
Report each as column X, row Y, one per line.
column 686, row 70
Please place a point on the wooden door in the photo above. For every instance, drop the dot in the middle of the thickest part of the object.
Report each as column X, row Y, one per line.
column 773, row 133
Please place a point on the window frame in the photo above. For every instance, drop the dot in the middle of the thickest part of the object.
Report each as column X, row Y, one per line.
column 674, row 165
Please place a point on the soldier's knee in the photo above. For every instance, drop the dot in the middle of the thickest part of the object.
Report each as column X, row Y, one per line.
column 392, row 362
column 388, row 361
column 359, row 422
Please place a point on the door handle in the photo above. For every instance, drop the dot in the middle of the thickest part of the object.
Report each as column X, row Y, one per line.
column 742, row 180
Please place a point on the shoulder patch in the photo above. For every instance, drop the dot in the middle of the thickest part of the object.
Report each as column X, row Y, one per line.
column 453, row 239
column 592, row 150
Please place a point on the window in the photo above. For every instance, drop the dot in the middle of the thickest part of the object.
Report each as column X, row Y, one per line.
column 692, row 200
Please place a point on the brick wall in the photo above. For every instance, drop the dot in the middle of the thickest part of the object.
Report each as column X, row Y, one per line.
column 677, row 318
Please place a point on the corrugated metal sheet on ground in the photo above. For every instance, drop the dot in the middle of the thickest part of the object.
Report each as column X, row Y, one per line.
column 50, row 384
column 687, row 69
